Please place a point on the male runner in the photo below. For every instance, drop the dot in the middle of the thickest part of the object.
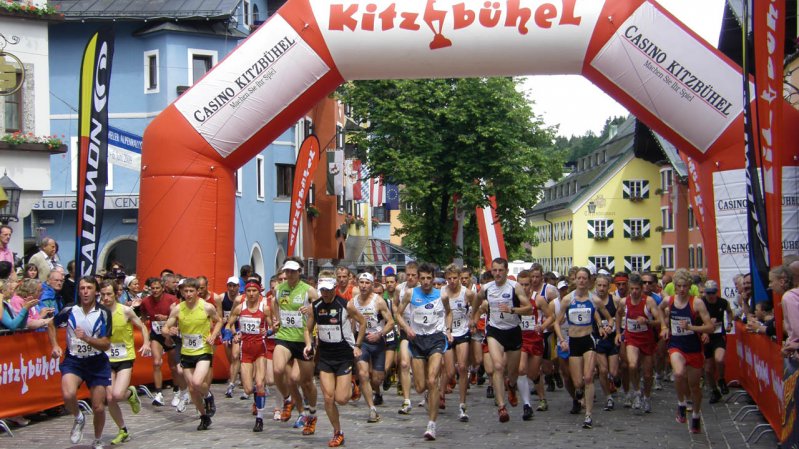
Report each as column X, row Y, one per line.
column 532, row 346
column 650, row 285
column 715, row 350
column 411, row 282
column 607, row 350
column 550, row 357
column 392, row 338
column 229, row 300
column 460, row 300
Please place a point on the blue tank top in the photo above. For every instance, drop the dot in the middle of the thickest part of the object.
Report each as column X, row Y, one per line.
column 580, row 313
column 427, row 312
column 685, row 340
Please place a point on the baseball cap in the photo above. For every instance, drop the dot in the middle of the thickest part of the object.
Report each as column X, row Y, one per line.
column 291, row 265
column 233, row 280
column 711, row 286
column 563, row 284
column 326, row 283
column 366, row 276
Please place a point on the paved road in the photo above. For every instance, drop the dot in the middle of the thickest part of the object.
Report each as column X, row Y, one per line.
column 162, row 427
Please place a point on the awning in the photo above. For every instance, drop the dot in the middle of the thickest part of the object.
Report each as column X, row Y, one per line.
column 363, row 251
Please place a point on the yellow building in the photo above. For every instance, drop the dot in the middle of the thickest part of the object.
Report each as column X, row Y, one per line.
column 605, row 212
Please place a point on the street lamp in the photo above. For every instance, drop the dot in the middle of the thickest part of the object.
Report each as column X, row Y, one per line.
column 591, row 207
column 12, row 191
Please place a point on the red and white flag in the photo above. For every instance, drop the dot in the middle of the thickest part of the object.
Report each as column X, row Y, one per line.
column 491, row 237
column 377, row 191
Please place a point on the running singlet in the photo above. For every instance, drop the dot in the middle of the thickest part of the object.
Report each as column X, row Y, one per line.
column 716, row 310
column 334, row 329
column 580, row 313
column 150, row 307
column 681, row 338
column 252, row 325
column 460, row 313
column 426, row 311
column 633, row 330
column 610, row 306
column 122, row 347
column 402, row 289
column 195, row 327
column 289, row 301
column 227, row 306
column 346, row 293
column 564, row 326
column 498, row 295
column 529, row 323
column 97, row 323
column 374, row 323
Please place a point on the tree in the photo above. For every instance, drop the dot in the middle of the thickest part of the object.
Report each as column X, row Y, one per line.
column 575, row 147
column 437, row 138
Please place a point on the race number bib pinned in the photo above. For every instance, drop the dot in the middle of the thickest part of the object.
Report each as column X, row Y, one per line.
column 634, row 326
column 329, row 333
column 80, row 348
column 157, row 326
column 291, row 318
column 250, row 325
column 193, row 341
column 528, row 323
column 678, row 327
column 117, row 351
column 423, row 316
column 580, row 315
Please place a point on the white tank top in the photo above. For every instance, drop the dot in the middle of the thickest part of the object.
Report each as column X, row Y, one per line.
column 460, row 313
column 369, row 312
column 497, row 296
column 403, row 288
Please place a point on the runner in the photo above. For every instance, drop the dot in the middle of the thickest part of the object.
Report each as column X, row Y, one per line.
column 685, row 313
column 231, row 299
column 550, row 294
column 294, row 298
column 373, row 351
column 650, row 282
column 619, row 293
column 716, row 348
column 88, row 337
column 156, row 309
column 199, row 326
column 460, row 300
column 582, row 309
column 252, row 321
column 477, row 331
column 638, row 314
column 411, row 281
column 429, row 332
column 506, row 302
column 346, row 288
column 333, row 317
column 122, row 354
column 607, row 349
column 532, row 346
column 392, row 338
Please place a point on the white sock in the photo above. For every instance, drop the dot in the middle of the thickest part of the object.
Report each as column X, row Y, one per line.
column 524, row 388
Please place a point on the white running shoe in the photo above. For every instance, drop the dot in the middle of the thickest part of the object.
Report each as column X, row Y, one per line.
column 77, row 429
column 463, row 417
column 158, row 399
column 98, row 444
column 430, row 434
column 183, row 400
column 637, row 402
column 175, row 399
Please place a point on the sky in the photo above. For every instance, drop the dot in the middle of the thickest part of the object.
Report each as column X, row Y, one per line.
column 702, row 16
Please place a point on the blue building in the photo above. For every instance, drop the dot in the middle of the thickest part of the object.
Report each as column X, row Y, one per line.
column 161, row 48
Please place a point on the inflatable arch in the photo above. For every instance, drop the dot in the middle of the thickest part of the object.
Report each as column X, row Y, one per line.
column 634, row 50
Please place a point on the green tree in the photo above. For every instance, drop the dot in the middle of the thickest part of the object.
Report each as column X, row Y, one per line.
column 437, row 138
column 575, row 147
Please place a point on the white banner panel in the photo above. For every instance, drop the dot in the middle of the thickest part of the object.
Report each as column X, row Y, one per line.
column 790, row 211
column 251, row 86
column 729, row 189
column 673, row 76
column 385, row 39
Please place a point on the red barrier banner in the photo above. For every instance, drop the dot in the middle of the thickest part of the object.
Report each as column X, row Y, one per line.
column 30, row 379
column 760, row 365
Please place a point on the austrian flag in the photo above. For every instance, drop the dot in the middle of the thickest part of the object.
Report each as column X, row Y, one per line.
column 377, row 191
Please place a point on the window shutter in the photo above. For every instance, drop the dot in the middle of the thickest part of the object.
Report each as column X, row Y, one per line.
column 627, row 232
column 625, row 189
column 647, row 263
column 611, row 265
column 590, row 226
column 646, row 228
column 645, row 189
column 609, row 228
column 628, row 264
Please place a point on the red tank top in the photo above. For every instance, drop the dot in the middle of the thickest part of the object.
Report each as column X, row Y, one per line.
column 635, row 331
column 252, row 325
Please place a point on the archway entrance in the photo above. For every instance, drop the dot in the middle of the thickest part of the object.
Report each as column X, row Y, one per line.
column 122, row 250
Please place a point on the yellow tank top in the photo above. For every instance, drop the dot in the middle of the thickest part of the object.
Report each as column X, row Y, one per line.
column 122, row 347
column 195, row 327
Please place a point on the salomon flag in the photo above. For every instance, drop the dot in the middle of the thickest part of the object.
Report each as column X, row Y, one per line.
column 490, row 232
column 307, row 160
column 95, row 80
column 377, row 191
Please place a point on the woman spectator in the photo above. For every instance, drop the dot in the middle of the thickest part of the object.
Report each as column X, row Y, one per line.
column 131, row 292
column 29, row 290
column 11, row 319
column 30, row 272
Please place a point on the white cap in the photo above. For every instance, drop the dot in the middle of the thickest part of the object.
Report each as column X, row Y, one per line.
column 591, row 268
column 233, row 280
column 291, row 265
column 326, row 284
column 562, row 284
column 557, row 275
column 366, row 276
column 604, row 271
column 128, row 280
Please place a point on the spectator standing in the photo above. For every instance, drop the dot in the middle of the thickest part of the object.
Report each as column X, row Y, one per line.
column 45, row 258
column 5, row 251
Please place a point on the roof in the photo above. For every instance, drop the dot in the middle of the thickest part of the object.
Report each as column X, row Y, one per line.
column 366, row 251
column 215, row 28
column 145, row 9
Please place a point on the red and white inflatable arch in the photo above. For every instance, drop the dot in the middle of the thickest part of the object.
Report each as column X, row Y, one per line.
column 633, row 49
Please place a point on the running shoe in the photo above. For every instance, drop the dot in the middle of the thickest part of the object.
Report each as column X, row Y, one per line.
column 373, row 416
column 423, row 402
column 77, row 429
column 527, row 415
column 628, row 400
column 550, row 381
column 356, row 392
column 406, row 408
column 542, row 405
column 481, row 379
column 210, row 405
column 244, row 396
column 158, row 399
column 121, row 437
column 681, row 411
column 175, row 399
column 609, row 405
column 430, row 433
column 300, row 422
column 205, row 422
column 513, row 399
column 715, row 396
column 310, row 425
column 285, row 414
column 378, row 399
column 503, row 414
column 473, row 378
column 463, row 417
column 579, row 393
column 637, row 402
column 725, row 390
column 229, row 391
column 442, row 403
column 575, row 407
column 98, row 444
column 658, row 383
column 183, row 402
column 133, row 400
column 276, row 415
column 588, row 423
column 259, row 425
column 647, row 404
column 399, row 388
column 696, row 425
column 558, row 380
column 490, row 392
column 337, row 440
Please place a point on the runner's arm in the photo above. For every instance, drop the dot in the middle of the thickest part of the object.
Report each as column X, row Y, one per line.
column 525, row 308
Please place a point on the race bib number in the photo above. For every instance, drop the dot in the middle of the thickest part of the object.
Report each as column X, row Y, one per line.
column 634, row 326
column 250, row 325
column 581, row 315
column 193, row 341
column 678, row 327
column 117, row 351
column 528, row 323
column 718, row 329
column 371, row 321
column 291, row 319
column 80, row 348
column 157, row 326
column 329, row 333
column 424, row 316
column 225, row 314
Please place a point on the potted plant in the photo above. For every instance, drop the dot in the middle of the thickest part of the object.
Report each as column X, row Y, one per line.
column 659, row 229
column 349, row 220
column 29, row 141
column 375, row 221
column 359, row 222
column 311, row 211
column 600, row 236
column 636, row 236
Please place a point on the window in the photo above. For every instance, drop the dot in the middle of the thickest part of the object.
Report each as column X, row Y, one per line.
column 246, row 8
column 260, row 189
column 639, row 263
column 635, row 189
column 200, row 62
column 600, row 229
column 383, row 215
column 239, row 181
column 340, row 203
column 602, row 262
column 358, row 212
column 700, row 257
column 285, row 180
column 667, row 257
column 151, row 72
column 636, row 228
column 666, row 179
column 339, row 137
column 73, row 155
column 569, row 229
column 556, row 234
column 13, row 108
column 691, row 218
column 604, row 156
column 256, row 14
column 666, row 219
column 691, row 258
